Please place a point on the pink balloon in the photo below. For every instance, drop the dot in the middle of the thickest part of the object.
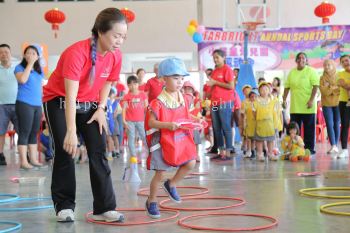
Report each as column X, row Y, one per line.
column 201, row 29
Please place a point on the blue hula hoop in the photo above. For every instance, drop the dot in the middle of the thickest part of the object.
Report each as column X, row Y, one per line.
column 26, row 208
column 17, row 226
column 13, row 197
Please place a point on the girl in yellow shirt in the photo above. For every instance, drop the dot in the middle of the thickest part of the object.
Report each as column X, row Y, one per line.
column 247, row 125
column 293, row 145
column 264, row 107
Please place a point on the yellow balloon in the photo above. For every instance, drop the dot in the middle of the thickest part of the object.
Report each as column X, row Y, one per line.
column 191, row 30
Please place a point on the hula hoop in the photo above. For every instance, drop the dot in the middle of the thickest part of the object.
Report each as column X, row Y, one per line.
column 17, row 226
column 191, row 124
column 29, row 199
column 306, row 192
column 142, row 192
column 196, row 227
column 241, row 202
column 323, row 209
column 198, row 173
column 177, row 213
column 305, row 174
column 13, row 197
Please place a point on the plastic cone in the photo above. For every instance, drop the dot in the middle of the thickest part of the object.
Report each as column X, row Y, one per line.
column 131, row 173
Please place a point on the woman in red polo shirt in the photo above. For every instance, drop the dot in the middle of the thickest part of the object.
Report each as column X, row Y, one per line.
column 75, row 100
column 222, row 97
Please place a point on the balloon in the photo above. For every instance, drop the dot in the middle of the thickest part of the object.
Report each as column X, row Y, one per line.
column 191, row 29
column 197, row 38
column 194, row 23
column 200, row 29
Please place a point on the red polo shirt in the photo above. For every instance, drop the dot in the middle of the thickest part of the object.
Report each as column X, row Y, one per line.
column 220, row 95
column 135, row 106
column 75, row 64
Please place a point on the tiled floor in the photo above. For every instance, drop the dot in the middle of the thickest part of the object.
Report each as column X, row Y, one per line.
column 268, row 188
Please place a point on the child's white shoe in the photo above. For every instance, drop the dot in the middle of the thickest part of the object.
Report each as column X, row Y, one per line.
column 248, row 154
column 333, row 150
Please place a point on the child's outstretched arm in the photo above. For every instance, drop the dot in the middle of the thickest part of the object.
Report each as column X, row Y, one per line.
column 154, row 123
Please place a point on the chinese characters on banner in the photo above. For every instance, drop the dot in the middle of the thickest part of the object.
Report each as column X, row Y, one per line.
column 276, row 50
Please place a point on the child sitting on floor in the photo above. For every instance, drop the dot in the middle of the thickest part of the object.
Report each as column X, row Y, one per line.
column 293, row 145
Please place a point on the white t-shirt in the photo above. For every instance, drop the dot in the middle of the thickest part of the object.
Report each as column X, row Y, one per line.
column 8, row 85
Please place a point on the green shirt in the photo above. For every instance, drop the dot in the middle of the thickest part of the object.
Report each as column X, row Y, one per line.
column 343, row 93
column 300, row 84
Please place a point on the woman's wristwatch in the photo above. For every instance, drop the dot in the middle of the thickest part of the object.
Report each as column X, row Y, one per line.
column 103, row 107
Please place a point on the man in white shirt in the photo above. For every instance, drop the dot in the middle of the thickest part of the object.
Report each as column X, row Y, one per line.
column 8, row 95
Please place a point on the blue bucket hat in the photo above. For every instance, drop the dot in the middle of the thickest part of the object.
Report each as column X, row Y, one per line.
column 172, row 66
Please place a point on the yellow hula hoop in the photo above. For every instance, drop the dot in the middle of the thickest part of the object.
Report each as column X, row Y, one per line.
column 306, row 192
column 324, row 210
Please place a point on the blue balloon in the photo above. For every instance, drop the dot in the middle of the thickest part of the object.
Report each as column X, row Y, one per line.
column 197, row 38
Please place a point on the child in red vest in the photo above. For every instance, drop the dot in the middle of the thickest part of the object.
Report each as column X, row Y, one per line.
column 169, row 145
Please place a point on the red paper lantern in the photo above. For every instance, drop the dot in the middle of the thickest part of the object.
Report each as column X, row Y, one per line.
column 129, row 15
column 324, row 10
column 55, row 17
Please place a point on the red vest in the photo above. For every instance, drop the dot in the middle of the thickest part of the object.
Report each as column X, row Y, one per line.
column 177, row 146
column 193, row 102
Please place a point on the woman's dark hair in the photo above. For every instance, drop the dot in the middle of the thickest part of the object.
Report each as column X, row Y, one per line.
column 106, row 19
column 132, row 79
column 298, row 56
column 278, row 81
column 220, row 52
column 293, row 125
column 103, row 23
column 139, row 70
column 36, row 65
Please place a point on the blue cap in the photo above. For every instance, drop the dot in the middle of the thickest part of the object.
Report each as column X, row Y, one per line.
column 172, row 66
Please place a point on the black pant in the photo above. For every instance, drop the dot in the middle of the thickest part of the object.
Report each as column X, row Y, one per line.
column 309, row 123
column 344, row 121
column 63, row 184
column 29, row 118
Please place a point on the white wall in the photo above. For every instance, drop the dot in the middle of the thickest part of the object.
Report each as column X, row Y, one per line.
column 160, row 26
